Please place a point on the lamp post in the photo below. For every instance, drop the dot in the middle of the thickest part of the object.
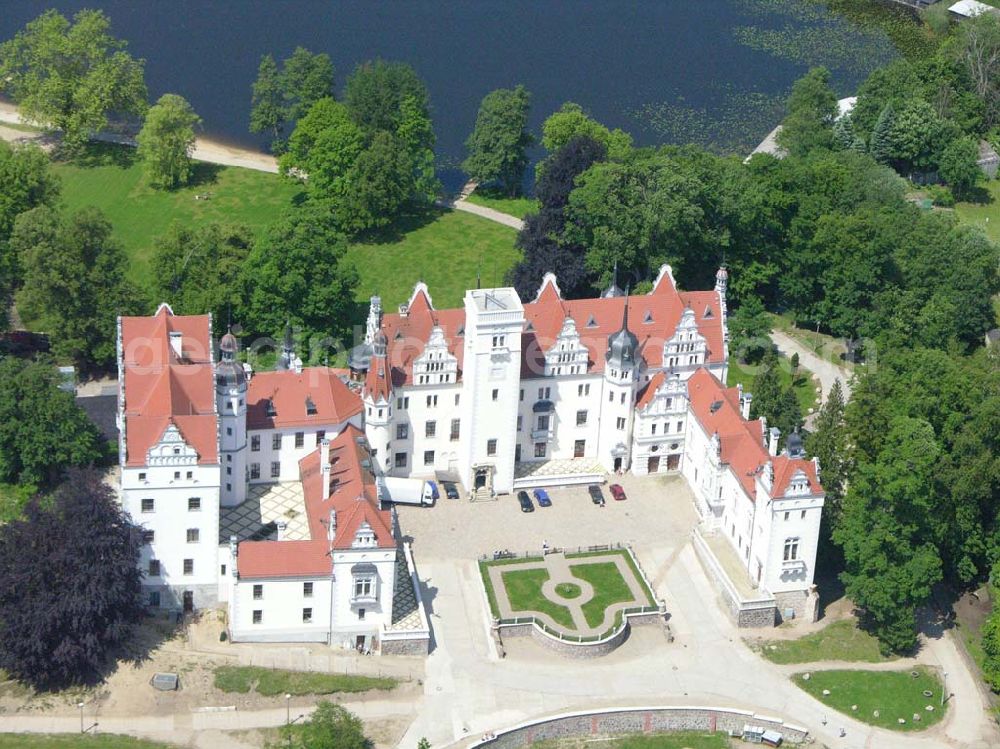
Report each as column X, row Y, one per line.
column 80, row 705
column 288, row 718
column 944, row 686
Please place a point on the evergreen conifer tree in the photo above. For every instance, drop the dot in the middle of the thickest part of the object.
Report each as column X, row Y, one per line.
column 880, row 145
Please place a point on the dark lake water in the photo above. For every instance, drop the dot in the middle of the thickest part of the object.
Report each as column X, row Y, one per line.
column 674, row 70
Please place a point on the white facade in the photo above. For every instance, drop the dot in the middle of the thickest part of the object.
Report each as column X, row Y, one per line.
column 273, row 455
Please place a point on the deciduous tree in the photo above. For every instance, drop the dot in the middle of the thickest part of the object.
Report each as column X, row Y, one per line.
column 306, row 77
column 329, row 726
column 167, row 140
column 42, row 430
column 74, row 282
column 298, row 273
column 571, row 121
column 323, row 149
column 812, row 109
column 71, row 76
column 267, row 103
column 958, row 167
column 198, row 269
column 750, row 328
column 498, row 145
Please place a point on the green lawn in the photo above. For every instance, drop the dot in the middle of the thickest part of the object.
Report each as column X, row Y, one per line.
column 839, row 641
column 985, row 213
column 270, row 682
column 821, row 343
column 628, row 560
column 803, row 384
column 894, row 694
column 524, row 591
column 445, row 249
column 678, row 740
column 112, row 180
column 569, row 590
column 609, row 587
column 519, row 207
column 76, row 741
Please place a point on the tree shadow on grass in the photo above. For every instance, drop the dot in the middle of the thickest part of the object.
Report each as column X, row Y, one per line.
column 978, row 195
column 403, row 225
column 203, row 173
column 96, row 154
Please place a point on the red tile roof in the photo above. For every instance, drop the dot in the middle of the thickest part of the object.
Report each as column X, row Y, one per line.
column 653, row 318
column 284, row 559
column 354, row 500
column 288, row 391
column 377, row 380
column 717, row 409
column 162, row 388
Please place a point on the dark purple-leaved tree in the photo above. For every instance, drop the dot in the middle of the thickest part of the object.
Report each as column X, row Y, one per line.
column 69, row 584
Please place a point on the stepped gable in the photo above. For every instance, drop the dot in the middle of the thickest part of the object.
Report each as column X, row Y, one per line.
column 162, row 387
column 407, row 335
column 353, row 500
column 653, row 318
column 290, row 394
column 717, row 409
column 648, row 393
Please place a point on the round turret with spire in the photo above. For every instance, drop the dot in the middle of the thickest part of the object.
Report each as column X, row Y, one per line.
column 229, row 373
column 622, row 345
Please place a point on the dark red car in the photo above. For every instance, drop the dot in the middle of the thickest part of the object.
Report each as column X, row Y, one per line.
column 617, row 492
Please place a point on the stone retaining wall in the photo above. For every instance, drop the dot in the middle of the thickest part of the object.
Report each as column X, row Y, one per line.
column 408, row 646
column 805, row 604
column 621, row 721
column 761, row 613
column 591, row 649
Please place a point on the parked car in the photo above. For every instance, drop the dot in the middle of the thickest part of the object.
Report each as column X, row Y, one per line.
column 450, row 490
column 525, row 502
column 434, row 490
column 596, row 495
column 542, row 497
column 617, row 492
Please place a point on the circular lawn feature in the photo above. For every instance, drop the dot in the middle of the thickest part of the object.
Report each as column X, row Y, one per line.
column 568, row 590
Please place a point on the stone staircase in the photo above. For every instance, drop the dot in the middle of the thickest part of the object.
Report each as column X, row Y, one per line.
column 481, row 495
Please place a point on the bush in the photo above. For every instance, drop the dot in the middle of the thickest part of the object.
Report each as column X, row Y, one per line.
column 941, row 196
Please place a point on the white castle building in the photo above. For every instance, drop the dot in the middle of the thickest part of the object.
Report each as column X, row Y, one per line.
column 256, row 491
column 503, row 395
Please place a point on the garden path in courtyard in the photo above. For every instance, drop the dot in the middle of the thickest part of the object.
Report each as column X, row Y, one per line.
column 560, row 571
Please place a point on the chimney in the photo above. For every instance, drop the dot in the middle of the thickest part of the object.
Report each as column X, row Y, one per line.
column 297, row 365
column 324, row 464
column 745, row 399
column 331, row 527
column 176, row 339
column 772, row 445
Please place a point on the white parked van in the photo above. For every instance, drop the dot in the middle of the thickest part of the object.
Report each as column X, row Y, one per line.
column 407, row 491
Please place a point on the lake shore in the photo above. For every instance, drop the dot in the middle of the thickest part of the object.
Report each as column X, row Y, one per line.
column 205, row 149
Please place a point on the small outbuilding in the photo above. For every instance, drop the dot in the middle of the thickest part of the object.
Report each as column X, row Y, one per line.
column 988, row 159
column 970, row 9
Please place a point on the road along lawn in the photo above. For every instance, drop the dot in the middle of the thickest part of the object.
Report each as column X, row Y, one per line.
column 76, row 741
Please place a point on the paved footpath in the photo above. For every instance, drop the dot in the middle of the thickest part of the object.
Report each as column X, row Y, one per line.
column 825, row 370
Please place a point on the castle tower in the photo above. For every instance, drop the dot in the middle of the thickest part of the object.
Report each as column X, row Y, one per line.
column 721, row 284
column 491, row 384
column 377, row 398
column 621, row 376
column 231, row 401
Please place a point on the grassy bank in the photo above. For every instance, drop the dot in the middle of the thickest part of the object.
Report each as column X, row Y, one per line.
column 519, row 207
column 894, row 695
column 985, row 212
column 270, row 682
column 802, row 383
column 111, row 179
column 839, row 641
column 445, row 249
column 76, row 741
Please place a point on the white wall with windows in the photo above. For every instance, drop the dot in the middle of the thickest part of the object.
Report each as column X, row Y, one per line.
column 281, row 609
column 175, row 502
column 273, row 455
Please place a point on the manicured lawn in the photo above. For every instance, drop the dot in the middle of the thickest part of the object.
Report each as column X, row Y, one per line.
column 524, row 591
column 628, row 560
column 609, row 587
column 271, row 682
column 839, row 641
column 985, row 213
column 894, row 694
column 76, row 741
column 678, row 740
column 445, row 249
column 112, row 180
column 803, row 383
column 519, row 207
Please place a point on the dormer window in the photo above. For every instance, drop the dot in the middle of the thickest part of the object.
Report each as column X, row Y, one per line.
column 648, row 318
column 708, row 313
column 269, row 408
column 310, row 406
column 591, row 322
